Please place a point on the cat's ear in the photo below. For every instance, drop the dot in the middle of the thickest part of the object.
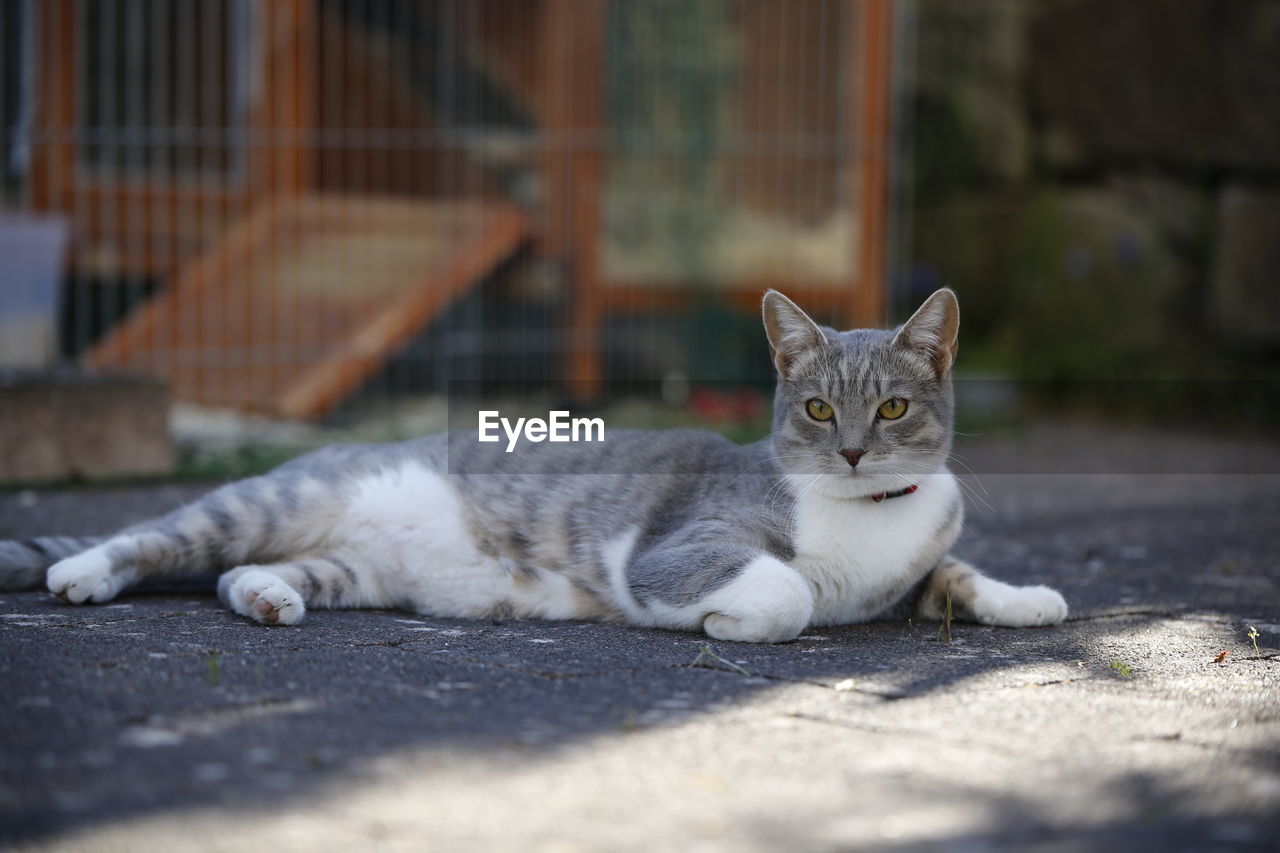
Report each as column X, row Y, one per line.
column 933, row 330
column 790, row 331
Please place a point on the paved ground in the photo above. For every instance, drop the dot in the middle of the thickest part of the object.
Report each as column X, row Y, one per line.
column 163, row 721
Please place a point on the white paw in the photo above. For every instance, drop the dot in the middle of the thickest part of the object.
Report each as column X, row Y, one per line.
column 721, row 627
column 87, row 577
column 767, row 603
column 1020, row 607
column 265, row 598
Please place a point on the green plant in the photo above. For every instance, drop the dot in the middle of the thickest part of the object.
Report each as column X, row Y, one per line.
column 214, row 661
column 1121, row 667
column 944, row 630
column 1253, row 635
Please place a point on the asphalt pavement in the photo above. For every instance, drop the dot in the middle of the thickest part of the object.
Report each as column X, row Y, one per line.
column 162, row 721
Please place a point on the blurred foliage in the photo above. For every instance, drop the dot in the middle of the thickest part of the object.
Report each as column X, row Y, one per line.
column 232, row 463
column 672, row 67
column 1079, row 226
column 1084, row 302
column 1078, row 308
column 1046, row 291
column 944, row 153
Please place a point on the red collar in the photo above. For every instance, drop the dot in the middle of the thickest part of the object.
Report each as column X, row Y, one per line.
column 880, row 496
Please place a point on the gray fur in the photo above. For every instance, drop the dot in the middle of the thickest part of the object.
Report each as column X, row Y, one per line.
column 702, row 508
column 23, row 561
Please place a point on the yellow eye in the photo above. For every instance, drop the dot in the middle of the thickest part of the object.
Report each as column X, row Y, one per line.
column 819, row 410
column 893, row 409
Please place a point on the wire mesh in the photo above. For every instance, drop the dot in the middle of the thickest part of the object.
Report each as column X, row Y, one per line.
column 290, row 205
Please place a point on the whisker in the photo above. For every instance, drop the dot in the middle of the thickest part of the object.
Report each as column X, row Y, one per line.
column 967, row 467
column 978, row 500
column 777, row 458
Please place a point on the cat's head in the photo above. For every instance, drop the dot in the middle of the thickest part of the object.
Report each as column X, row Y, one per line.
column 872, row 410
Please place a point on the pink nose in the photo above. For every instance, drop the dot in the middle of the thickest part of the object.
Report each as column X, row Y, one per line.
column 852, row 456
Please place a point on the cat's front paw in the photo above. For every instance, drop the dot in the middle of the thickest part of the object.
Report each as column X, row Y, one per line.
column 1020, row 607
column 265, row 598
column 87, row 577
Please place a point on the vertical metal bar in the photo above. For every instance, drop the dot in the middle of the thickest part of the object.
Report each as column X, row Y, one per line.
column 575, row 59
column 799, row 133
column 238, row 349
column 756, row 138
column 824, row 211
column 476, row 133
column 333, row 132
column 413, row 376
column 20, row 142
column 238, row 346
column 12, row 133
column 900, row 205
column 479, row 135
column 873, row 67
column 70, row 119
column 158, row 130
column 134, row 227
column 108, row 132
column 449, row 131
column 378, row 185
column 776, row 138
column 297, row 235
column 211, row 354
column 185, row 333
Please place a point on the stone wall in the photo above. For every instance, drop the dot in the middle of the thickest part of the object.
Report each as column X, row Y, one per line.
column 1100, row 180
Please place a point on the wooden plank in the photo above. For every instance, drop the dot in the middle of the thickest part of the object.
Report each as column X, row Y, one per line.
column 52, row 156
column 573, row 120
column 872, row 74
column 342, row 372
column 127, row 342
column 288, row 110
column 139, row 221
column 303, row 301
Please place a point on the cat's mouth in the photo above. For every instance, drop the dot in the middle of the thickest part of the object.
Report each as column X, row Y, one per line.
column 865, row 468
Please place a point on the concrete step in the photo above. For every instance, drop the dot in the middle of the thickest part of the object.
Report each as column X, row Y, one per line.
column 68, row 425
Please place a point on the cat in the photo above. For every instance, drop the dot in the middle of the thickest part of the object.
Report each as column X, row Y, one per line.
column 847, row 513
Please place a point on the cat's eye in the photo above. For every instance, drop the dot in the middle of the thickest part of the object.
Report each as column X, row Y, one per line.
column 819, row 410
column 893, row 409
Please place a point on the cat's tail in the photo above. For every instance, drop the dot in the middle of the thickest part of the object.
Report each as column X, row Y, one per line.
column 23, row 561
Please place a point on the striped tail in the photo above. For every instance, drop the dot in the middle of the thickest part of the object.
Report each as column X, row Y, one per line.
column 23, row 561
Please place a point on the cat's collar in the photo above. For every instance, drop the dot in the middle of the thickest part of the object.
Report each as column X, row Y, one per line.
column 880, row 496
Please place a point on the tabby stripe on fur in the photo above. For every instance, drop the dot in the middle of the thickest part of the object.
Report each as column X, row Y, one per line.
column 25, row 560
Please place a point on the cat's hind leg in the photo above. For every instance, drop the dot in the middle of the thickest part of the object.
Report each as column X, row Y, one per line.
column 24, row 564
column 978, row 598
column 768, row 602
column 262, row 518
column 95, row 575
column 278, row 593
column 100, row 573
column 732, row 592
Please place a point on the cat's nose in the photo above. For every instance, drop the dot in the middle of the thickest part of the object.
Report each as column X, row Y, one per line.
column 852, row 456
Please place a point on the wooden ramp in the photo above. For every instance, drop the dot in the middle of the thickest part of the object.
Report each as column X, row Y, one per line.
column 308, row 297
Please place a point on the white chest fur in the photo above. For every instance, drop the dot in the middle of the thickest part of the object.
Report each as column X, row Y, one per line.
column 857, row 552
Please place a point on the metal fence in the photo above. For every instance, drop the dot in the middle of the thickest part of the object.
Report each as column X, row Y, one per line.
column 278, row 205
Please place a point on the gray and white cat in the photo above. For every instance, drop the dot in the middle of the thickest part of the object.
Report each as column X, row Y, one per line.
column 846, row 513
